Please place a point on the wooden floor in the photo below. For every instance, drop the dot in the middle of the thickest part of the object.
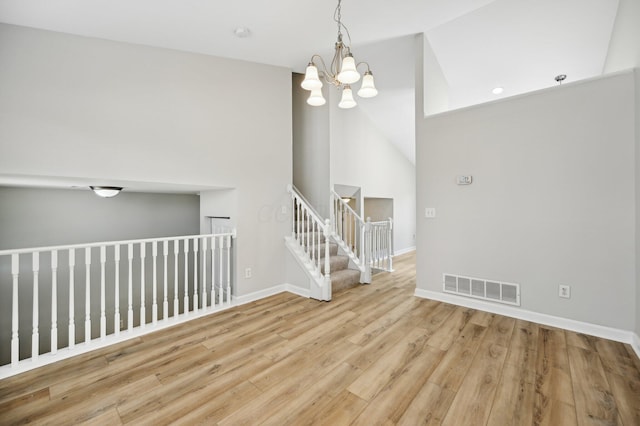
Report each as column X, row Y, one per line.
column 374, row 355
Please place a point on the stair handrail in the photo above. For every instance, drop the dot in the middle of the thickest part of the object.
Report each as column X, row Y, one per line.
column 296, row 192
column 369, row 244
column 306, row 227
column 349, row 233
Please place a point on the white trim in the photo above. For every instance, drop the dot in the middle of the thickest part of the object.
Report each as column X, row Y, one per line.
column 271, row 291
column 610, row 333
column 257, row 295
column 404, row 251
column 298, row 291
column 635, row 343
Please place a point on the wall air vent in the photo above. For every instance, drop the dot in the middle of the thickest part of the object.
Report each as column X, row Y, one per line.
column 478, row 288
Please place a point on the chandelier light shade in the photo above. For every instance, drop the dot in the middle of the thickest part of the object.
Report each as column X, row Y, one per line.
column 342, row 73
column 368, row 88
column 311, row 80
column 316, row 98
column 349, row 74
column 106, row 191
column 347, row 100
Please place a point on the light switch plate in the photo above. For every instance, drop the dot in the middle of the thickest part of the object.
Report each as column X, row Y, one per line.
column 430, row 212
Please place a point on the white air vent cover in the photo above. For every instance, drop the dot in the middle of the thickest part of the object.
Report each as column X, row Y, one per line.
column 492, row 290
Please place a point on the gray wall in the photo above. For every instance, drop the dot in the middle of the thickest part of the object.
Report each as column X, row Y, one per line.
column 31, row 217
column 44, row 217
column 378, row 209
column 624, row 53
column 81, row 107
column 310, row 148
column 362, row 156
column 637, row 158
column 553, row 198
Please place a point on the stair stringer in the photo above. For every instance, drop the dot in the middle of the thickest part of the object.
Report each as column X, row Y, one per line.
column 319, row 285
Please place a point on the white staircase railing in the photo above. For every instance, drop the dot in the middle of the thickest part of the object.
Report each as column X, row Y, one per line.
column 368, row 244
column 184, row 278
column 310, row 241
column 348, row 229
column 379, row 244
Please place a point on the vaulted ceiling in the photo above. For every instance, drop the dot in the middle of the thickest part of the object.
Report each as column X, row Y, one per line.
column 520, row 45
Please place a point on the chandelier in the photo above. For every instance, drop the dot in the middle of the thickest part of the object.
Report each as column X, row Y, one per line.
column 342, row 73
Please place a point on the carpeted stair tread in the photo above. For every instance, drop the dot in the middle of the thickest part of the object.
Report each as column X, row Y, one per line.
column 333, row 250
column 344, row 278
column 337, row 263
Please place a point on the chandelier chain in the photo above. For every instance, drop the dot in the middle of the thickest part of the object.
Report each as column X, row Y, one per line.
column 337, row 16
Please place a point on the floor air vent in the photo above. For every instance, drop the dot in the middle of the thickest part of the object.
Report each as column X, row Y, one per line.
column 494, row 291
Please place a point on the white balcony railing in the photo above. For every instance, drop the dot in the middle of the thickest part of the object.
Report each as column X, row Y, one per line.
column 56, row 302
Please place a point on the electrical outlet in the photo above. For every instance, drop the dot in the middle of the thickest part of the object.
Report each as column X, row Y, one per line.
column 247, row 273
column 430, row 212
column 564, row 291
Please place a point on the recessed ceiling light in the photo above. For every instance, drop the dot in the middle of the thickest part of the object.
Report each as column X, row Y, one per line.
column 497, row 90
column 242, row 32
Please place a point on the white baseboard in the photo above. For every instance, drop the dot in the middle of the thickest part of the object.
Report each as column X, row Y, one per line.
column 304, row 292
column 568, row 324
column 257, row 295
column 635, row 343
column 404, row 251
column 271, row 291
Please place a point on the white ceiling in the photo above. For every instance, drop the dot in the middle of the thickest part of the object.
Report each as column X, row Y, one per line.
column 283, row 32
column 480, row 44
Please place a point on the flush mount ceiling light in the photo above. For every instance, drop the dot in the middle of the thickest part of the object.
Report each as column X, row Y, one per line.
column 497, row 90
column 342, row 73
column 106, row 191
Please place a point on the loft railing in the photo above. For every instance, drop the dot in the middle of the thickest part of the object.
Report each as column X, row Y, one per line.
column 368, row 244
column 310, row 240
column 74, row 298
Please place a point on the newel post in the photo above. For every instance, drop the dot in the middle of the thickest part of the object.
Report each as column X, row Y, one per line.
column 293, row 212
column 326, row 290
column 367, row 251
column 390, row 243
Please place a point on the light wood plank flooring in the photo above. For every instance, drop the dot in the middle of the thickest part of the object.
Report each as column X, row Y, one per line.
column 374, row 355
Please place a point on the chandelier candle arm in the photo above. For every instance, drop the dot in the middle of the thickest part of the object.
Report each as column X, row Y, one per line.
column 342, row 73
